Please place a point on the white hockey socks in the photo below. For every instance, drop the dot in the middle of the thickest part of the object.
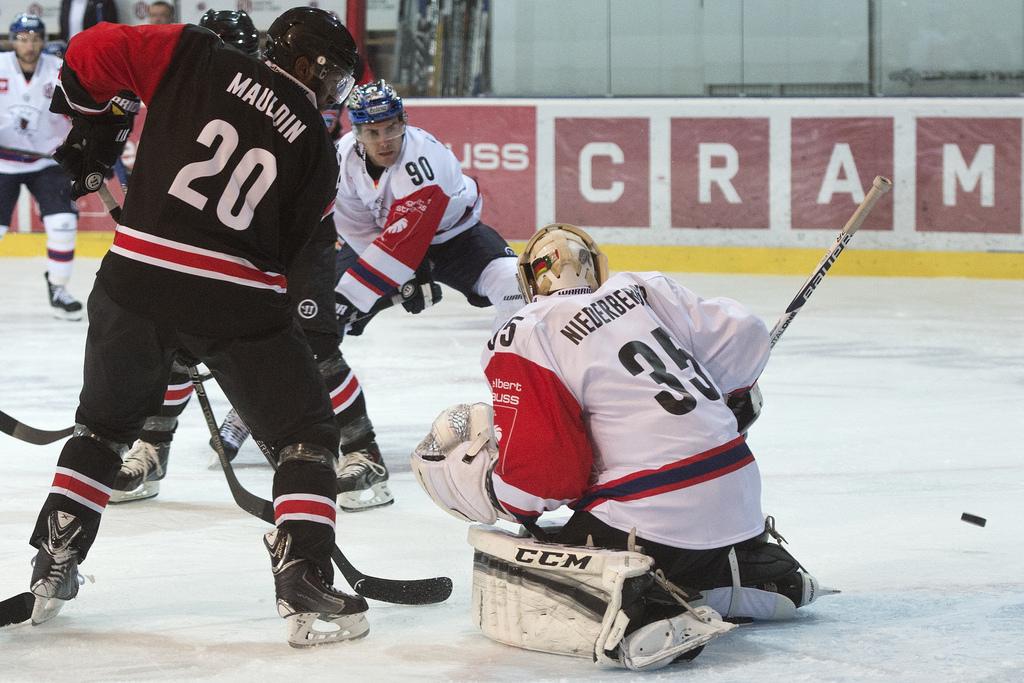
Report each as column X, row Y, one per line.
column 61, row 233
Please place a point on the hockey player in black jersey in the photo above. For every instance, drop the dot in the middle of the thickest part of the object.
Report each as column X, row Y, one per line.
column 234, row 174
column 145, row 463
column 312, row 282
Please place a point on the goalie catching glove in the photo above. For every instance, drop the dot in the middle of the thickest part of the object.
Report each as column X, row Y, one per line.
column 453, row 463
column 95, row 141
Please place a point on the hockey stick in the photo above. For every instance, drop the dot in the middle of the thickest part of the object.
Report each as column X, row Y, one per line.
column 25, row 153
column 16, row 609
column 879, row 187
column 39, row 437
column 410, row 592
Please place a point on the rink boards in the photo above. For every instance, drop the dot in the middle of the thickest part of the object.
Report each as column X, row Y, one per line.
column 734, row 185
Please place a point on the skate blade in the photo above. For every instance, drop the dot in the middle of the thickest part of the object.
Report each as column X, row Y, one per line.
column 66, row 315
column 214, row 463
column 303, row 629
column 376, row 496
column 147, row 489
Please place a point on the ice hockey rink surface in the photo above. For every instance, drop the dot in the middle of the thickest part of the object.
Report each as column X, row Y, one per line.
column 891, row 407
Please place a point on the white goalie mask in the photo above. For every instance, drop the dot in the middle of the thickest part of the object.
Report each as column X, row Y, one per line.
column 560, row 256
column 453, row 463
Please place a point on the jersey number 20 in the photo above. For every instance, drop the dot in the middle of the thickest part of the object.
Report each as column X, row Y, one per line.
column 234, row 209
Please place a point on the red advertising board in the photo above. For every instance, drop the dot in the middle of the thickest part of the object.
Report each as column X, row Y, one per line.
column 495, row 145
column 833, row 162
column 602, row 172
column 968, row 175
column 720, row 172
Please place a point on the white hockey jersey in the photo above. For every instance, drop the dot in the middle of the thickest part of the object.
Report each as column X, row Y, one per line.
column 421, row 199
column 25, row 119
column 613, row 401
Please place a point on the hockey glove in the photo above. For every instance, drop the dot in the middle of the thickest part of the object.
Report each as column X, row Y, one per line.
column 416, row 296
column 94, row 145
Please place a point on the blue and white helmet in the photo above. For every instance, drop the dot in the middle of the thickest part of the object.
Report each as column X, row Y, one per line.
column 374, row 102
column 27, row 23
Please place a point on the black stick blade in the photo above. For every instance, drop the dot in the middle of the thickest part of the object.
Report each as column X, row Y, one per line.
column 16, row 609
column 411, row 592
column 38, row 437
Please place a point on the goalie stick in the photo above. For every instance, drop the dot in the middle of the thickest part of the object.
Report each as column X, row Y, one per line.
column 404, row 592
column 32, row 435
column 879, row 187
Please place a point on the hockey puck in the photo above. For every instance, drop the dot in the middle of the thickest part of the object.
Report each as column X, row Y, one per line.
column 972, row 519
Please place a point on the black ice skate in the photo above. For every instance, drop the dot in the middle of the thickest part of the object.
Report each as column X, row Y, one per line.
column 55, row 577
column 304, row 598
column 140, row 474
column 62, row 304
column 233, row 434
column 362, row 480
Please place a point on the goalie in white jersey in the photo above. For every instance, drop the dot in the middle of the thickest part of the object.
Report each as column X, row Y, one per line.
column 408, row 219
column 626, row 398
column 29, row 133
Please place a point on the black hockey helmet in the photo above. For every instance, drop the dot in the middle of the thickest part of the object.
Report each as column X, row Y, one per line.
column 234, row 27
column 321, row 38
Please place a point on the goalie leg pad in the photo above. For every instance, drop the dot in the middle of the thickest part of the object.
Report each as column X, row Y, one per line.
column 560, row 599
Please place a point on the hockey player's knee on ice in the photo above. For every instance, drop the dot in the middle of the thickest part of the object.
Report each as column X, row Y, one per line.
column 581, row 601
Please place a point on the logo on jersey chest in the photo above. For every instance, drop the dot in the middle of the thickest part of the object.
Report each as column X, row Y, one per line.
column 3, row 85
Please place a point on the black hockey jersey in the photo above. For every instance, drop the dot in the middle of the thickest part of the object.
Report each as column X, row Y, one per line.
column 234, row 172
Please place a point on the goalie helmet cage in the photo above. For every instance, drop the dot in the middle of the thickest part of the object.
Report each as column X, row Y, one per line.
column 442, row 48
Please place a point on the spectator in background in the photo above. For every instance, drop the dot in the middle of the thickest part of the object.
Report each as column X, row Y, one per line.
column 161, row 12
column 78, row 15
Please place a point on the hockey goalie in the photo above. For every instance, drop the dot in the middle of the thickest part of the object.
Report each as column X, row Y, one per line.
column 628, row 399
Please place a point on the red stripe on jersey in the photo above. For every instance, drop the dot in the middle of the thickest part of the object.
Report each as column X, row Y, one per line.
column 108, row 58
column 328, row 210
column 376, row 272
column 177, row 394
column 83, row 489
column 345, row 391
column 303, row 506
column 691, row 460
column 207, row 262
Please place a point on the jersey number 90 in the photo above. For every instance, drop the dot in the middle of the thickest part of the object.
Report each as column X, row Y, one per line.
column 234, row 209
